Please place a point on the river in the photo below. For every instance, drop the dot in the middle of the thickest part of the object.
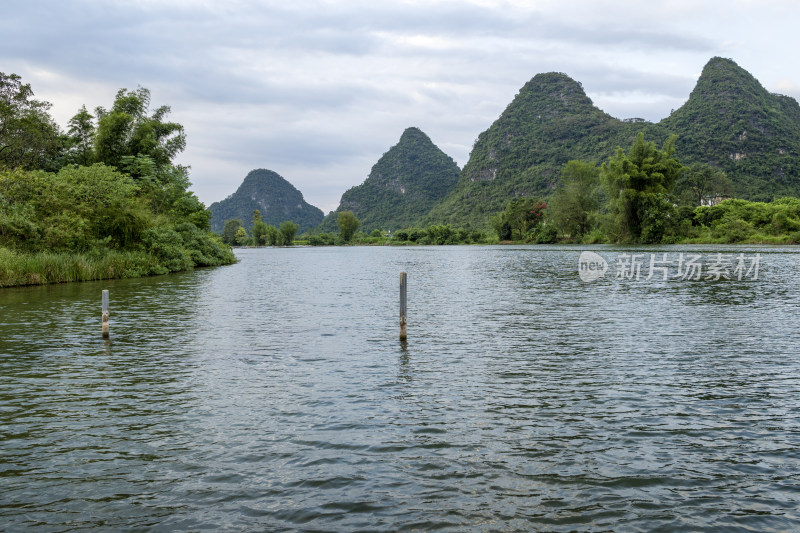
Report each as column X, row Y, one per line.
column 274, row 394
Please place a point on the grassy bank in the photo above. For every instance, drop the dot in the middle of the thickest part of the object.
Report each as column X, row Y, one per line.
column 17, row 269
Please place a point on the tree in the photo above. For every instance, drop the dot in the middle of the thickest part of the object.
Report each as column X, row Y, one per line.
column 230, row 230
column 638, row 185
column 29, row 138
column 520, row 216
column 271, row 236
column 701, row 180
column 348, row 224
column 81, row 132
column 259, row 233
column 287, row 232
column 259, row 229
column 575, row 203
column 128, row 130
column 241, row 236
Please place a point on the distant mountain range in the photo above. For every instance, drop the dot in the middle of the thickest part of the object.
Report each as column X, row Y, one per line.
column 266, row 191
column 729, row 121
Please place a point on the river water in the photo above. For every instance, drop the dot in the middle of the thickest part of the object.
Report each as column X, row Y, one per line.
column 274, row 395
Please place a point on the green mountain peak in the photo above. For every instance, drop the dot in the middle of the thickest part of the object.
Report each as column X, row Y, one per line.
column 405, row 183
column 272, row 195
column 732, row 122
column 550, row 121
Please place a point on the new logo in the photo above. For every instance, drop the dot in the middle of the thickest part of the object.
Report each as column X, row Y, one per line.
column 591, row 266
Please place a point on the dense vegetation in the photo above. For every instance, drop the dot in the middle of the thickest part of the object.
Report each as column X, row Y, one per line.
column 642, row 195
column 639, row 196
column 103, row 200
column 734, row 139
column 272, row 196
column 404, row 185
column 730, row 124
column 262, row 234
column 433, row 235
column 549, row 122
column 735, row 125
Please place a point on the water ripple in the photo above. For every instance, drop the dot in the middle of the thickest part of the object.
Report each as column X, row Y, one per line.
column 274, row 395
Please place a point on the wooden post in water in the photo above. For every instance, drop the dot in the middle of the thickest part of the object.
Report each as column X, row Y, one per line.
column 403, row 305
column 105, row 314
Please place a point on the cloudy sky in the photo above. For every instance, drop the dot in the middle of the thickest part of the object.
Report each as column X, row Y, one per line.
column 318, row 90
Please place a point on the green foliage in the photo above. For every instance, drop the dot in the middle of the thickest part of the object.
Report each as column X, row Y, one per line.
column 544, row 234
column 81, row 136
column 205, row 248
column 743, row 221
column 348, row 224
column 275, row 199
column 128, row 130
column 733, row 124
column 286, row 232
column 231, row 229
column 518, row 218
column 438, row 234
column 550, row 122
column 433, row 235
column 271, row 236
column 166, row 245
column 134, row 218
column 441, row 235
column 574, row 206
column 95, row 209
column 19, row 268
column 638, row 184
column 259, row 231
column 322, row 239
column 747, row 137
column 241, row 236
column 701, row 181
column 29, row 138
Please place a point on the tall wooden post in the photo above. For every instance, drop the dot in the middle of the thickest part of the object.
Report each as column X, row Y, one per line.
column 403, row 305
column 105, row 314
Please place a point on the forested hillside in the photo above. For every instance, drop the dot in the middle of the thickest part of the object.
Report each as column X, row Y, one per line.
column 268, row 192
column 730, row 123
column 404, row 185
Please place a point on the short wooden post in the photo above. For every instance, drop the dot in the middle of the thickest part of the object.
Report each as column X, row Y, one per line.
column 105, row 314
column 403, row 305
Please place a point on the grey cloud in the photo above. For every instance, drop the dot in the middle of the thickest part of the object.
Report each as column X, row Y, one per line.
column 331, row 85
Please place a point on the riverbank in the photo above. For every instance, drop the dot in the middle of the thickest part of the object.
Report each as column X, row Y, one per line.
column 43, row 268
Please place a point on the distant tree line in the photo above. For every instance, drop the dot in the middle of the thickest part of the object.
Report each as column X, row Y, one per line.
column 262, row 234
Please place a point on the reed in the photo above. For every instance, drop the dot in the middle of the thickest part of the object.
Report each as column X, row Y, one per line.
column 17, row 269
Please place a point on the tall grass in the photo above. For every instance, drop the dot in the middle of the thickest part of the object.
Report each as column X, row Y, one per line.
column 50, row 267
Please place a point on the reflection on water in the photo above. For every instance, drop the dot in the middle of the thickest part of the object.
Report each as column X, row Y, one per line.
column 275, row 395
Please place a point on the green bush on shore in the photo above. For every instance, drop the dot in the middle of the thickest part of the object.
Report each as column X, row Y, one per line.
column 103, row 200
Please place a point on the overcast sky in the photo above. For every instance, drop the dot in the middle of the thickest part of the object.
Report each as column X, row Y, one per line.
column 318, row 90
